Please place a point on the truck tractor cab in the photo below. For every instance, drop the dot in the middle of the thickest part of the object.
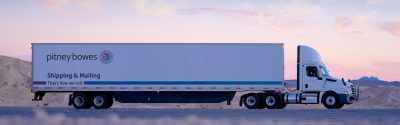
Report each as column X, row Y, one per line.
column 316, row 85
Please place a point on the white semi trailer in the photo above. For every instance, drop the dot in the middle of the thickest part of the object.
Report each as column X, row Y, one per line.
column 98, row 73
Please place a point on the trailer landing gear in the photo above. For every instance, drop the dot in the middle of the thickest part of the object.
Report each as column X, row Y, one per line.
column 38, row 96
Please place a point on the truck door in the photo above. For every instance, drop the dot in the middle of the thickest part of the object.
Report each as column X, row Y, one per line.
column 312, row 80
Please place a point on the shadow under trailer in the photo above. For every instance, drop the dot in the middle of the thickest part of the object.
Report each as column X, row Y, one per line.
column 97, row 74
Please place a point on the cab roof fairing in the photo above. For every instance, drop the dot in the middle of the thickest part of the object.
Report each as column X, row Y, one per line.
column 309, row 55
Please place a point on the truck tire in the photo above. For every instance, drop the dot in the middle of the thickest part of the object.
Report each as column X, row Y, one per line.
column 340, row 106
column 101, row 101
column 261, row 105
column 110, row 102
column 282, row 103
column 271, row 101
column 251, row 101
column 331, row 100
column 281, row 106
column 81, row 101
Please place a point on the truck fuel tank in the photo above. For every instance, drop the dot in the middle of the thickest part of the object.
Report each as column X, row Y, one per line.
column 301, row 98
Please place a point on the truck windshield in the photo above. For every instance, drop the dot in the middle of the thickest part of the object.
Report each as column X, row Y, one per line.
column 324, row 71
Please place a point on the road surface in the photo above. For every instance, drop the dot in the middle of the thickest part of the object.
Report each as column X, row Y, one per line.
column 65, row 115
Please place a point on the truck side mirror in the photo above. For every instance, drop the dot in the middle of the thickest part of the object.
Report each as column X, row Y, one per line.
column 319, row 77
column 315, row 70
column 344, row 83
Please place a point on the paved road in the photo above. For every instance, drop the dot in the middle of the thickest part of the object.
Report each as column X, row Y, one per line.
column 371, row 116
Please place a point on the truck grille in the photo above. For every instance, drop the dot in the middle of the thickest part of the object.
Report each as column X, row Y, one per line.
column 353, row 89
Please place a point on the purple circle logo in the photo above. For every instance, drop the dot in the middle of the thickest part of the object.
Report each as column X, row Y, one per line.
column 106, row 57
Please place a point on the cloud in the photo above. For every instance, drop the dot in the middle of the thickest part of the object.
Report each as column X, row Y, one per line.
column 359, row 25
column 301, row 8
column 382, row 2
column 154, row 7
column 363, row 25
column 375, row 2
column 391, row 27
column 258, row 18
column 87, row 8
column 73, row 8
column 342, row 24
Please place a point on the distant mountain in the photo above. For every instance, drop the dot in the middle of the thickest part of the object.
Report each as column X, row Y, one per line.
column 15, row 80
column 366, row 78
column 374, row 81
column 15, row 84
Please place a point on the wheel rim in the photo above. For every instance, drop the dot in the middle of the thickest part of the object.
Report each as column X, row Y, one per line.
column 270, row 101
column 251, row 100
column 330, row 100
column 79, row 101
column 98, row 101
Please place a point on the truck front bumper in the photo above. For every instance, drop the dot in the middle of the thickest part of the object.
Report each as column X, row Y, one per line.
column 355, row 93
column 351, row 98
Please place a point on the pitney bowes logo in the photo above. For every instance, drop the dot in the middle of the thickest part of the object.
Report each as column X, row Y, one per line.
column 106, row 57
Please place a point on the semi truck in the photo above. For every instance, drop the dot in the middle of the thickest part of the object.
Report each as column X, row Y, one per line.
column 97, row 74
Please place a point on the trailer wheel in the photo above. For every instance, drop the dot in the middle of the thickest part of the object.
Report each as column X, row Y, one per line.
column 261, row 105
column 271, row 100
column 81, row 101
column 251, row 101
column 101, row 101
column 331, row 100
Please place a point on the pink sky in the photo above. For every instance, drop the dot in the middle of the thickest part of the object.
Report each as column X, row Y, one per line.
column 355, row 38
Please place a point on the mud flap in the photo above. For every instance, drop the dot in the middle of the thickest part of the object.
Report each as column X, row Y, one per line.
column 70, row 99
column 241, row 101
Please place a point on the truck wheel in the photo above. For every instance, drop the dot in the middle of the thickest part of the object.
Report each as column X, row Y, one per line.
column 282, row 103
column 271, row 101
column 110, row 102
column 81, row 101
column 101, row 101
column 331, row 100
column 261, row 105
column 339, row 106
column 281, row 106
column 251, row 101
